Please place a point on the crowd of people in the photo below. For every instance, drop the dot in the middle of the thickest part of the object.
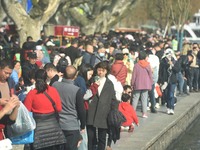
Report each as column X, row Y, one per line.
column 83, row 79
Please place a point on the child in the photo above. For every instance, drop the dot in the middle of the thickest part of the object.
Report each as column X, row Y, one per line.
column 20, row 89
column 128, row 111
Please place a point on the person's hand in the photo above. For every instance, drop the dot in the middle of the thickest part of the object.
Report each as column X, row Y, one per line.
column 3, row 101
column 14, row 97
column 79, row 143
column 138, row 124
column 97, row 82
column 11, row 104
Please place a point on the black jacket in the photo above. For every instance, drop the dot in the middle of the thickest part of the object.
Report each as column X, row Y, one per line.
column 167, row 73
column 28, row 72
column 73, row 53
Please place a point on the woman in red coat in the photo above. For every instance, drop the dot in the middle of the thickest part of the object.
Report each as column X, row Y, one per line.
column 118, row 69
column 48, row 133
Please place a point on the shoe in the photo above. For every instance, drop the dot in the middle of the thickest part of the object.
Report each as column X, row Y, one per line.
column 153, row 110
column 148, row 108
column 157, row 105
column 144, row 116
column 168, row 111
column 131, row 128
column 187, row 93
column 191, row 91
column 171, row 111
column 181, row 95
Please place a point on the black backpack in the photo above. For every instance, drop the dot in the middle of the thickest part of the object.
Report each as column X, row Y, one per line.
column 62, row 64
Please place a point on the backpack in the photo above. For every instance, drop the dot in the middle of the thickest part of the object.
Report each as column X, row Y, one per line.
column 62, row 64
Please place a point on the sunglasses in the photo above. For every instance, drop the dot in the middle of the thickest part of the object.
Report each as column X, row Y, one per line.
column 125, row 54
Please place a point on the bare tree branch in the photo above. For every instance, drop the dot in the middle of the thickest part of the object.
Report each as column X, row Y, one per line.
column 49, row 12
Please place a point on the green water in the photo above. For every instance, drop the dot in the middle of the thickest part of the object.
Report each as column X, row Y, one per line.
column 190, row 140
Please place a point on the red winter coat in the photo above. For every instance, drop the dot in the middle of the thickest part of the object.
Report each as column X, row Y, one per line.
column 128, row 111
column 119, row 70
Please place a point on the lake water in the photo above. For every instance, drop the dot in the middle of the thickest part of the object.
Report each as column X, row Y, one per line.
column 190, row 140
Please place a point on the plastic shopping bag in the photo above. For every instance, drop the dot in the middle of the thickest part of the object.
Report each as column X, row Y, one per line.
column 23, row 139
column 23, row 124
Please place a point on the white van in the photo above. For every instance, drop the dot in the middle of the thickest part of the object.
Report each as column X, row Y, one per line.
column 191, row 30
column 191, row 33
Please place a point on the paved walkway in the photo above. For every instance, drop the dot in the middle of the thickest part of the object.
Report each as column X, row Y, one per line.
column 152, row 127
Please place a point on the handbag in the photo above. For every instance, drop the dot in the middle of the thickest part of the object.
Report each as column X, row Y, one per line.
column 5, row 144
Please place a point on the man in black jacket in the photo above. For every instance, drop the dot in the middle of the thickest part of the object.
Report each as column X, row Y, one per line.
column 52, row 73
column 29, row 68
column 73, row 52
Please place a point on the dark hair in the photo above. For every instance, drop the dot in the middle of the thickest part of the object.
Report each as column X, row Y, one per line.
column 21, row 79
column 40, row 42
column 81, row 43
column 142, row 55
column 41, row 77
column 119, row 56
column 29, row 38
column 103, row 65
column 148, row 52
column 125, row 97
column 84, row 68
column 15, row 62
column 6, row 63
column 100, row 45
column 88, row 43
column 50, row 66
column 127, row 87
column 70, row 72
column 74, row 41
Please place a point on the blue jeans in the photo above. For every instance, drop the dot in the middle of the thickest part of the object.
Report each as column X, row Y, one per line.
column 180, row 79
column 170, row 95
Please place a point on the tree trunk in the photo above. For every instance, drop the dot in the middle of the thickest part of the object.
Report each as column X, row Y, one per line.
column 104, row 16
column 30, row 24
column 2, row 14
column 32, row 28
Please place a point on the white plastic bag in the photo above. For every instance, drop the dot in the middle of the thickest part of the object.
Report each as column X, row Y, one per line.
column 5, row 144
column 23, row 124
